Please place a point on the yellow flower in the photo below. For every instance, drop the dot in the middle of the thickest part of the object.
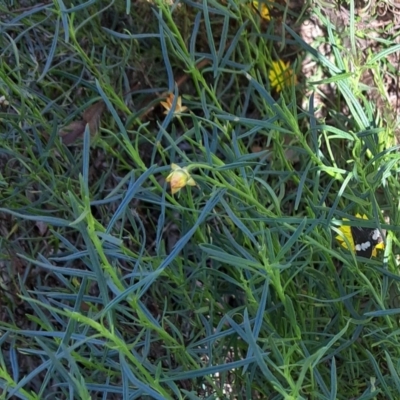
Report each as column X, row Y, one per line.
column 363, row 241
column 179, row 178
column 167, row 104
column 262, row 9
column 281, row 75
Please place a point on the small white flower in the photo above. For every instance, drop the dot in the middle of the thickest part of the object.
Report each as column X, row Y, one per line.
column 3, row 101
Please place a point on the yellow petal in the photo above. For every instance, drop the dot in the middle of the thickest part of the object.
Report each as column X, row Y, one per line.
column 281, row 75
column 346, row 231
column 175, row 167
column 191, row 182
column 262, row 10
column 165, row 104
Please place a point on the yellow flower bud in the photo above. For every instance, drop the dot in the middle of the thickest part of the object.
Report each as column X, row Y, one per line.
column 179, row 178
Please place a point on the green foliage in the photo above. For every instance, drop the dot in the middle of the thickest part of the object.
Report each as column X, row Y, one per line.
column 234, row 288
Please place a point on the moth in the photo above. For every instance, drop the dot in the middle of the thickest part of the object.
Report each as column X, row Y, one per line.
column 366, row 241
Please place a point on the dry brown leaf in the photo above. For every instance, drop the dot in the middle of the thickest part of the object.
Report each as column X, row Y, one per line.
column 17, row 263
column 75, row 129
column 72, row 131
column 42, row 227
column 256, row 148
column 92, row 116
